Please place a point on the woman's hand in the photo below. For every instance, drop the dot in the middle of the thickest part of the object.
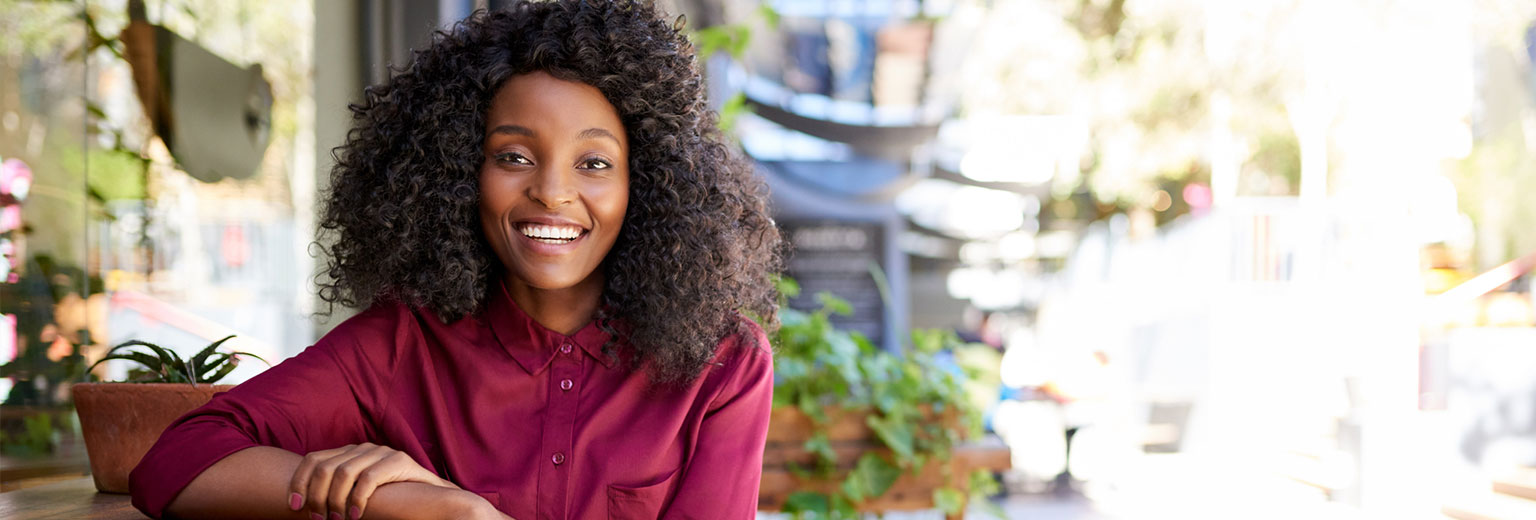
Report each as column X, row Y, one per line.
column 337, row 483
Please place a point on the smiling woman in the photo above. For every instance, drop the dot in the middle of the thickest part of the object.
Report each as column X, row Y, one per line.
column 553, row 191
column 556, row 255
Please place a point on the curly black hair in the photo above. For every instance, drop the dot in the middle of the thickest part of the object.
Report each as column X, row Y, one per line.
column 697, row 247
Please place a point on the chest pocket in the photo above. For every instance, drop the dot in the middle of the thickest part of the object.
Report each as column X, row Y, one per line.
column 639, row 502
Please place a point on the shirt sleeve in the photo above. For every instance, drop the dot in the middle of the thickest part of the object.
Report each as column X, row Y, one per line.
column 320, row 399
column 722, row 477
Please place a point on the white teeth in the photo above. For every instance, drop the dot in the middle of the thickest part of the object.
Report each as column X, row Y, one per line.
column 558, row 234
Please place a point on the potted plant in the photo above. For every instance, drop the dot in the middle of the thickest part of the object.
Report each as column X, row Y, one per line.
column 121, row 421
column 857, row 429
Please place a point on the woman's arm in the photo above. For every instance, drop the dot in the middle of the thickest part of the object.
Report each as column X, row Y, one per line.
column 329, row 395
column 722, row 477
column 253, row 483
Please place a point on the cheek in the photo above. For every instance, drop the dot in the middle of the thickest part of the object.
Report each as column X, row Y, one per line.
column 619, row 206
column 492, row 208
column 494, row 196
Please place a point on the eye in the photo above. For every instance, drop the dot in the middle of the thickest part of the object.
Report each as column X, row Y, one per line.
column 596, row 163
column 511, row 157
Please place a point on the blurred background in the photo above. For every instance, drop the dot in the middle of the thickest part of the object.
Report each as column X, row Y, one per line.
column 1227, row 259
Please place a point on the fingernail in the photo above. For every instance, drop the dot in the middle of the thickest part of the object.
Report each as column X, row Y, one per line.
column 316, row 516
column 355, row 513
column 335, row 515
column 295, row 501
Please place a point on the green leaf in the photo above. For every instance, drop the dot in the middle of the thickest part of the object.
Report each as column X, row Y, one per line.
column 731, row 110
column 800, row 471
column 213, row 364
column 822, row 447
column 948, row 499
column 233, row 362
column 712, row 39
column 792, row 319
column 832, row 304
column 810, row 407
column 843, row 508
column 928, row 341
column 806, row 501
column 896, row 435
column 865, row 345
column 169, row 366
column 877, row 474
column 172, row 368
column 248, row 354
column 201, row 357
column 95, row 110
column 221, row 372
column 769, row 14
column 786, row 286
column 853, row 487
column 151, row 362
column 739, row 40
column 983, row 483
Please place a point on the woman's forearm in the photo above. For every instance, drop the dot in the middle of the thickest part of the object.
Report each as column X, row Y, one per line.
column 253, row 483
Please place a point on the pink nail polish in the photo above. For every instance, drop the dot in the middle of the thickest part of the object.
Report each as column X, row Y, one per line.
column 316, row 516
column 335, row 515
column 355, row 513
column 295, row 501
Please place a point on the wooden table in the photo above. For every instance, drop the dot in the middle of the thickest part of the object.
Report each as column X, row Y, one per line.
column 76, row 498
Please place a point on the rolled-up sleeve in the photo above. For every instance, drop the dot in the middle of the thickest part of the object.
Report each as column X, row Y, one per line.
column 322, row 398
column 722, row 478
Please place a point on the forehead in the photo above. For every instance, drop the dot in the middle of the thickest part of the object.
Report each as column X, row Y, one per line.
column 537, row 99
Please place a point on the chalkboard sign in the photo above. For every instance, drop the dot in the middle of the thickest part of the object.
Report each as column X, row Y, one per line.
column 837, row 257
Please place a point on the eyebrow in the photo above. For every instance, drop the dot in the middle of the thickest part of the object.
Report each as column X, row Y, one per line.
column 513, row 130
column 590, row 133
column 595, row 133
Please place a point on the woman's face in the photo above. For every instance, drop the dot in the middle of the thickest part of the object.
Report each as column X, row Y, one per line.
column 555, row 181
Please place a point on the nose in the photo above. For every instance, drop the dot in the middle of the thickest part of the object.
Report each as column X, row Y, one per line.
column 552, row 187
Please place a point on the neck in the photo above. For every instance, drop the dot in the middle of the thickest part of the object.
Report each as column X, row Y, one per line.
column 561, row 310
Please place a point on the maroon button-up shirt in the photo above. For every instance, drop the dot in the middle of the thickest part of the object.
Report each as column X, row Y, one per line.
column 543, row 425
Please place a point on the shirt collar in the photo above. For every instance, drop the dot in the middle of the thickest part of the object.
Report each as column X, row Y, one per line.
column 532, row 345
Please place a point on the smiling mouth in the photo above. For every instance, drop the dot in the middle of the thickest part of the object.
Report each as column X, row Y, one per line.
column 555, row 235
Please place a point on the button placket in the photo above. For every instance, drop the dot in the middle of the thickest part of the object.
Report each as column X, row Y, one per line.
column 559, row 430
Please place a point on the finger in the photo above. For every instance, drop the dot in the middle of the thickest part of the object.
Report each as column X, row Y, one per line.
column 318, row 495
column 393, row 466
column 298, row 486
column 404, row 468
column 344, row 495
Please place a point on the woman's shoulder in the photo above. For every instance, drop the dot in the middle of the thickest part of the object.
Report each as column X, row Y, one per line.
column 375, row 335
column 379, row 321
column 745, row 351
column 746, row 337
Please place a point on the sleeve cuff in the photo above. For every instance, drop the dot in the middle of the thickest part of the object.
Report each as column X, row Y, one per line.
column 181, row 454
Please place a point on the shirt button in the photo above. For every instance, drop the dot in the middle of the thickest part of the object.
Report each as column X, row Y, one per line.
column 565, row 349
column 566, row 384
column 558, row 459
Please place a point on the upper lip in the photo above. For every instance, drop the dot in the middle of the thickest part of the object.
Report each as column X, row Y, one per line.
column 549, row 221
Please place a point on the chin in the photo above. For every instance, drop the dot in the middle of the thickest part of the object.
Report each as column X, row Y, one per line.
column 550, row 282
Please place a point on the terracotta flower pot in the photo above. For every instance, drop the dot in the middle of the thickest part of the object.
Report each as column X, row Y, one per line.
column 121, row 421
